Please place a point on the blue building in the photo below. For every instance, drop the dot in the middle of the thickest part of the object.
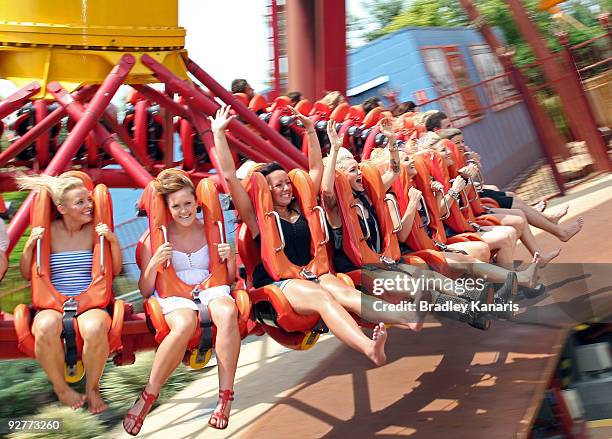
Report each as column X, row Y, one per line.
column 431, row 63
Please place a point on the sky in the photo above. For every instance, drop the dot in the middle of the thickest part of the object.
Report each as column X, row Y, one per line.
column 227, row 38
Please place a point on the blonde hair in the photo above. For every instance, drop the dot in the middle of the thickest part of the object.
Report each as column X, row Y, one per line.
column 172, row 180
column 379, row 157
column 344, row 155
column 333, row 99
column 421, row 118
column 56, row 187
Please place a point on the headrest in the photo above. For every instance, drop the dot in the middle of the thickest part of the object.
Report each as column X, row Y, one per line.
column 356, row 113
column 340, row 112
column 320, row 108
column 242, row 97
column 258, row 103
column 87, row 181
column 304, row 106
column 372, row 117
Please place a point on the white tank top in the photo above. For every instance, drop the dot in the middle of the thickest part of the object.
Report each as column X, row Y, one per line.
column 191, row 268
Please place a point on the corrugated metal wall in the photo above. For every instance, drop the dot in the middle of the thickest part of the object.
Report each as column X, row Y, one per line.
column 505, row 139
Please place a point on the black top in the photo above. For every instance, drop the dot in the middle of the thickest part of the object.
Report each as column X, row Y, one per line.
column 297, row 248
column 342, row 263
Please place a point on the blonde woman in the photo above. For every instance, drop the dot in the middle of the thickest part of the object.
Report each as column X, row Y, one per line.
column 71, row 264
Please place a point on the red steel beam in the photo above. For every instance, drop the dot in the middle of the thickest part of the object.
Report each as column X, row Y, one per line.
column 548, row 136
column 249, row 116
column 43, row 126
column 113, row 178
column 200, row 102
column 569, row 92
column 74, row 140
column 15, row 101
column 105, row 139
column 125, row 137
column 161, row 99
column 276, row 87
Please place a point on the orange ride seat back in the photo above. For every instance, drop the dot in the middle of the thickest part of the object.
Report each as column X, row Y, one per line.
column 354, row 242
column 258, row 103
column 273, row 257
column 167, row 282
column 99, row 293
column 456, row 221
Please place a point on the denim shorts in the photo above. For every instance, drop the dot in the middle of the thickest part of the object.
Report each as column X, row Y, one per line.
column 281, row 283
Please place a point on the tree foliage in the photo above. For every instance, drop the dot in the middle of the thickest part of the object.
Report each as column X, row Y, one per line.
column 393, row 15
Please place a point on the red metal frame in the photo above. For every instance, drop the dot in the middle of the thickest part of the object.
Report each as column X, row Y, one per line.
column 200, row 102
column 74, row 140
column 16, row 100
column 276, row 85
column 278, row 141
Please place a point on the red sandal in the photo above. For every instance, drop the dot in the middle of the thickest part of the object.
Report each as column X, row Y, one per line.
column 138, row 419
column 219, row 414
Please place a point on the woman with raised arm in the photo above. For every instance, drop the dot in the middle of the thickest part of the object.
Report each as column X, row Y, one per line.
column 71, row 261
column 341, row 160
column 189, row 254
column 304, row 296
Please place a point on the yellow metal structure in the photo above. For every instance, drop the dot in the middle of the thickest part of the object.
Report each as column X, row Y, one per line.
column 79, row 41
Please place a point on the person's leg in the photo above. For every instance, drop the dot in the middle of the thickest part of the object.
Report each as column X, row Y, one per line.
column 306, row 297
column 516, row 218
column 563, row 232
column 182, row 323
column 94, row 326
column 502, row 239
column 370, row 308
column 227, row 347
column 476, row 249
column 49, row 350
column 463, row 264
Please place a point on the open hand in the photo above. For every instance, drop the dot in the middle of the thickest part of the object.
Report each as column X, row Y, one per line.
column 222, row 119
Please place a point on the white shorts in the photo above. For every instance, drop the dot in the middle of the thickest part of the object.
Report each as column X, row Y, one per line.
column 169, row 304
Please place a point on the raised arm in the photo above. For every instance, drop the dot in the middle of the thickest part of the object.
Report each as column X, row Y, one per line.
column 329, row 173
column 315, row 158
column 394, row 161
column 414, row 196
column 240, row 197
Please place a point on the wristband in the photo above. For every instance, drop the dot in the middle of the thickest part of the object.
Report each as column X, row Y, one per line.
column 454, row 193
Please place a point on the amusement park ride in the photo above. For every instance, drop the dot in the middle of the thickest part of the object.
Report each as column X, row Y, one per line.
column 70, row 59
column 69, row 62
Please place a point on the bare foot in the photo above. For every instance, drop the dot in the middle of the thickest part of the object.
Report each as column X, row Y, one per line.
column 556, row 216
column 418, row 317
column 70, row 397
column 570, row 230
column 378, row 350
column 540, row 206
column 545, row 258
column 95, row 402
column 529, row 276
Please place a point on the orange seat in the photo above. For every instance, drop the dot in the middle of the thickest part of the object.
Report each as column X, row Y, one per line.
column 168, row 284
column 45, row 296
column 271, row 309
